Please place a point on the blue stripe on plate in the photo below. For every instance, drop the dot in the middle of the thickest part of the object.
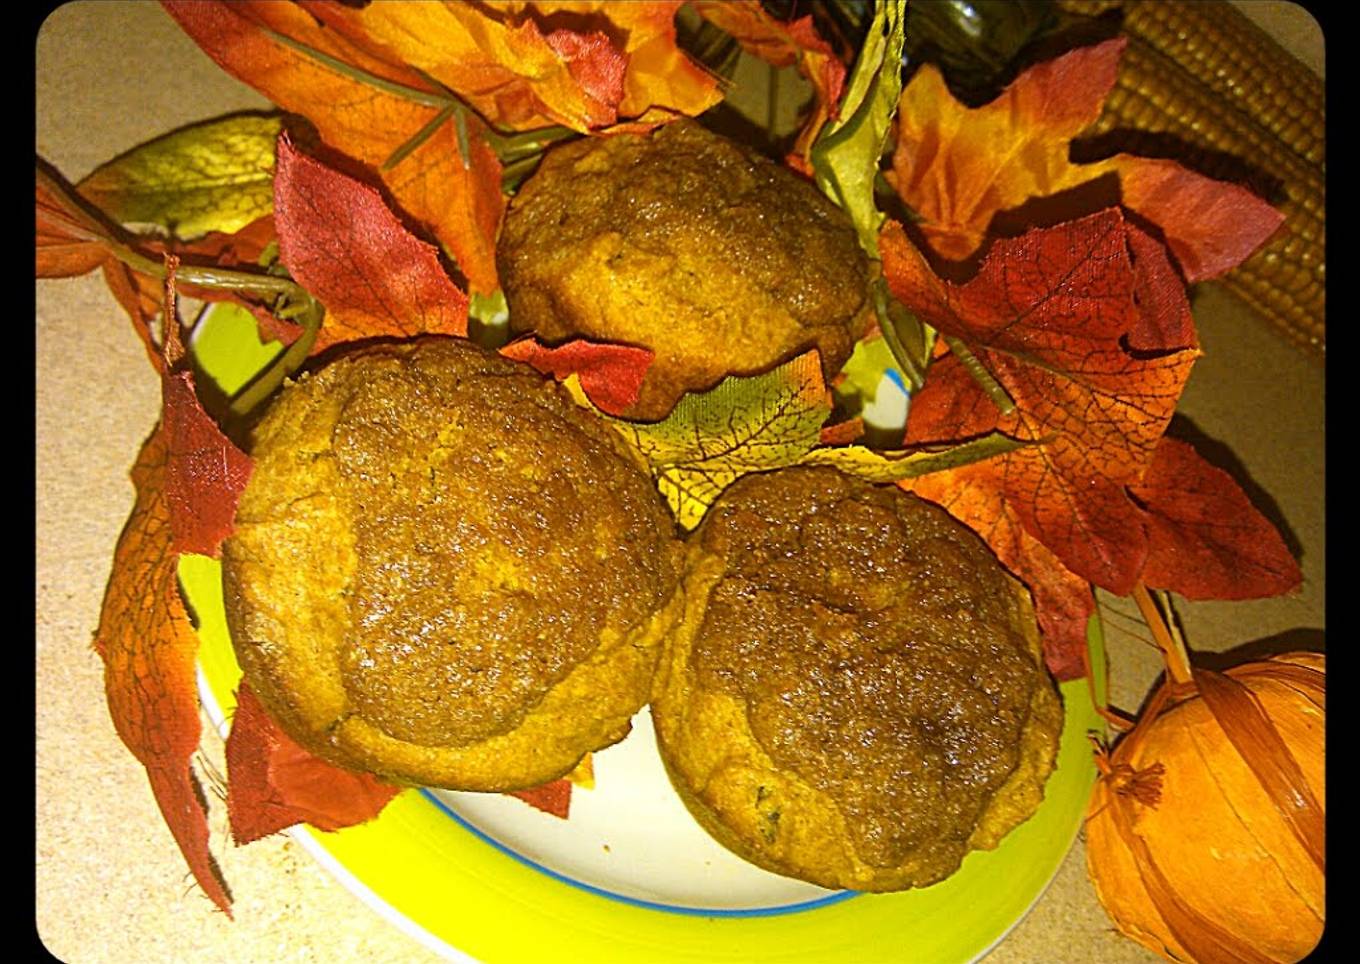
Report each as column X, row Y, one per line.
column 635, row 901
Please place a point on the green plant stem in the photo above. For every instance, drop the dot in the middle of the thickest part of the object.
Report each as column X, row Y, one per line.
column 261, row 387
column 420, row 137
column 507, row 145
column 891, row 314
column 979, row 373
column 413, row 94
column 218, row 279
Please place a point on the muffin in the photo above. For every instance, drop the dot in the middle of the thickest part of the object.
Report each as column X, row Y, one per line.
column 444, row 571
column 855, row 695
column 714, row 257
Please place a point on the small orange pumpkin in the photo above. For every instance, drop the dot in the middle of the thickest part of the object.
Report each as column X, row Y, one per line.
column 1205, row 831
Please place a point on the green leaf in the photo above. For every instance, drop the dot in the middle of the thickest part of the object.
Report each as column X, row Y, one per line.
column 878, row 466
column 214, row 176
column 846, row 155
column 742, row 425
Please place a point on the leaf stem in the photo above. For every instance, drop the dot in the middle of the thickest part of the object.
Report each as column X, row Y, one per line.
column 416, row 95
column 418, row 138
column 980, row 374
column 1173, row 649
column 284, row 365
column 207, row 276
column 893, row 318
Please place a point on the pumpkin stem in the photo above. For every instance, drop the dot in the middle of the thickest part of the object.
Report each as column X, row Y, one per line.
column 1173, row 649
column 1144, row 786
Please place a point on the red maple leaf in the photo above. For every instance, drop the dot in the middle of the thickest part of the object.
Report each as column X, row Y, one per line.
column 553, row 797
column 611, row 375
column 273, row 784
column 205, row 473
column 1087, row 329
column 1205, row 538
column 1050, row 315
column 342, row 243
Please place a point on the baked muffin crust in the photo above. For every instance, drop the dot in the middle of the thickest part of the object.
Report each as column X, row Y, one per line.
column 719, row 260
column 855, row 695
column 444, row 571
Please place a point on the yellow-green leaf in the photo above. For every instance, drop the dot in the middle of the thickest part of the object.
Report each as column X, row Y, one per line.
column 214, row 176
column 845, row 156
column 742, row 425
column 877, row 466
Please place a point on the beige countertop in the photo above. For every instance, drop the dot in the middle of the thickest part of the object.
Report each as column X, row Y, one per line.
column 110, row 883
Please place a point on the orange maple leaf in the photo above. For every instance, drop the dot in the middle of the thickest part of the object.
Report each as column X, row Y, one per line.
column 188, row 477
column 149, row 650
column 286, row 54
column 958, row 168
column 783, row 44
column 1052, row 316
column 584, row 64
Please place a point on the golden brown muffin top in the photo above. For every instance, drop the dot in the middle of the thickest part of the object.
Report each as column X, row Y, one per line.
column 688, row 243
column 500, row 531
column 879, row 648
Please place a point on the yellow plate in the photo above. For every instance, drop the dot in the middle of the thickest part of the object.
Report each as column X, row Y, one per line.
column 462, row 893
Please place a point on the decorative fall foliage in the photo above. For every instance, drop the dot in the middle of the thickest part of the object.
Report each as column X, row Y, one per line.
column 1205, row 835
column 1040, row 423
column 1086, row 332
column 273, row 784
column 343, row 245
column 610, row 375
column 784, row 44
column 188, row 478
column 959, row 168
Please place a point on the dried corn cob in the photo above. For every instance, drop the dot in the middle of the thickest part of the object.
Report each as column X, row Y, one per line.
column 1204, row 73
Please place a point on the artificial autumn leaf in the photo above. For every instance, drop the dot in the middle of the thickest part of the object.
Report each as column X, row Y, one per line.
column 214, row 176
column 758, row 423
column 783, row 44
column 552, row 798
column 610, row 375
column 1049, row 315
column 741, row 425
column 274, row 784
column 515, row 64
column 71, row 240
column 342, row 243
column 368, row 109
column 205, row 473
column 845, row 156
column 1205, row 538
column 958, row 167
column 149, row 649
column 145, row 638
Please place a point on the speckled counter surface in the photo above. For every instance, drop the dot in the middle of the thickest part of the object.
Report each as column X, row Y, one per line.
column 110, row 884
